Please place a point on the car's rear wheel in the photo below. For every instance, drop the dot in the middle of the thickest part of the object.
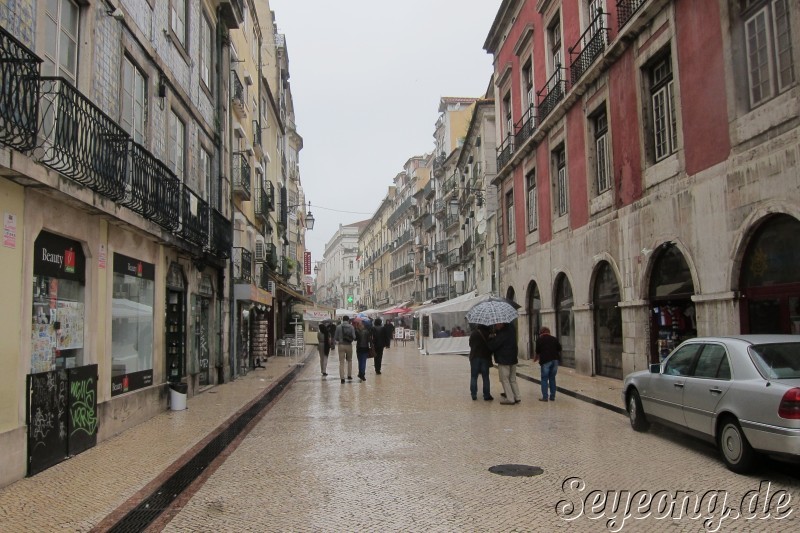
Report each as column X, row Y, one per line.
column 737, row 453
column 636, row 412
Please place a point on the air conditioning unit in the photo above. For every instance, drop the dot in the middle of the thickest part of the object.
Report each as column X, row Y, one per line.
column 261, row 251
column 271, row 287
column 248, row 78
column 239, row 130
column 249, row 149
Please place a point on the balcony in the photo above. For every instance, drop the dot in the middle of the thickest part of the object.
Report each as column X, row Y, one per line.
column 439, row 207
column 404, row 238
column 238, row 101
column 242, row 266
column 525, row 126
column 626, row 9
column 19, row 97
column 449, row 185
column 453, row 257
column 430, row 257
column 466, row 249
column 221, row 237
column 285, row 271
column 262, row 276
column 419, row 296
column 152, row 189
column 441, row 249
column 257, row 142
column 262, row 203
column 79, row 141
column 505, row 151
column 428, row 190
column 194, row 219
column 241, row 175
column 428, row 222
column 399, row 212
column 232, row 12
column 450, row 221
column 441, row 291
column 401, row 273
column 438, row 163
column 552, row 93
column 588, row 48
column 272, row 256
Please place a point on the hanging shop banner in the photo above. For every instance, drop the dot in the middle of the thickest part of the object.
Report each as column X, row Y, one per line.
column 307, row 263
column 134, row 267
column 57, row 257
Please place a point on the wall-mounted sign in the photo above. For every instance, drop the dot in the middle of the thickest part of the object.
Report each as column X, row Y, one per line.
column 58, row 257
column 9, row 230
column 307, row 263
column 134, row 267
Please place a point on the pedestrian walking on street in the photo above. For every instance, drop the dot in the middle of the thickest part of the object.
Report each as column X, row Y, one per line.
column 323, row 347
column 344, row 337
column 364, row 342
column 548, row 353
column 389, row 333
column 503, row 343
column 480, row 359
column 379, row 336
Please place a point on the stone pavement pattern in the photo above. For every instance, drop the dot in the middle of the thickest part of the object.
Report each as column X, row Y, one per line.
column 405, row 451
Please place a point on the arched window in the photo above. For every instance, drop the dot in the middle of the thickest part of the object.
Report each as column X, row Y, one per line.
column 565, row 325
column 607, row 323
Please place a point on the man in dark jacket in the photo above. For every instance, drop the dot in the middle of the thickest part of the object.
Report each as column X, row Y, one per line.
column 480, row 359
column 548, row 353
column 379, row 335
column 503, row 343
column 389, row 333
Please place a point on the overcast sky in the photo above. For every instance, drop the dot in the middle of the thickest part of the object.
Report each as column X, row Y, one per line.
column 366, row 78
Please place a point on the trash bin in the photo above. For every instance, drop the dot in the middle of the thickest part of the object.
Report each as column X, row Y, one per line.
column 177, row 396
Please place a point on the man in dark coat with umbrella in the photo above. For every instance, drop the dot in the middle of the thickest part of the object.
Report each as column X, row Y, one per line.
column 503, row 342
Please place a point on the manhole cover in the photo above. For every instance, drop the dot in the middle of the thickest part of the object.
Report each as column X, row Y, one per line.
column 516, row 470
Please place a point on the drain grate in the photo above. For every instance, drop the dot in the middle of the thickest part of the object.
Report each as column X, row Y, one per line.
column 516, row 470
column 138, row 518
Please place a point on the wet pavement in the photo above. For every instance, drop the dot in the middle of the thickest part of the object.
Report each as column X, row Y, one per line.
column 407, row 450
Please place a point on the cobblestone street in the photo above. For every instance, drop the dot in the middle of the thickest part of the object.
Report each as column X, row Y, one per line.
column 407, row 450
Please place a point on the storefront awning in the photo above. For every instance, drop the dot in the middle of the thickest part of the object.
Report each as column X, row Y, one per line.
column 292, row 294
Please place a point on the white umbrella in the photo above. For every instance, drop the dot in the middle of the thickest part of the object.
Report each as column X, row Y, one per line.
column 491, row 312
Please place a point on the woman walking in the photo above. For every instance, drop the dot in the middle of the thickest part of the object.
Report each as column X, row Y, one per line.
column 323, row 346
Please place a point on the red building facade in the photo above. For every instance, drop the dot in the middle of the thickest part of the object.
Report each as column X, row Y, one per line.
column 647, row 168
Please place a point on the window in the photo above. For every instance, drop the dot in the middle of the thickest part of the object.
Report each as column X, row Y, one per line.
column 555, row 44
column 205, row 168
column 560, row 164
column 254, row 45
column 530, row 185
column 768, row 40
column 508, row 116
column 603, row 180
column 665, row 134
column 178, row 21
column 61, row 39
column 527, row 84
column 510, row 215
column 206, row 51
column 596, row 7
column 134, row 101
column 713, row 363
column 680, row 362
column 177, row 139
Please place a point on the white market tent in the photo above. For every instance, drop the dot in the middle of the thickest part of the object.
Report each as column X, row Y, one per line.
column 342, row 312
column 448, row 315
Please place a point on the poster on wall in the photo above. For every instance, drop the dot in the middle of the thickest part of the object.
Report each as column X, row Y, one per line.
column 70, row 321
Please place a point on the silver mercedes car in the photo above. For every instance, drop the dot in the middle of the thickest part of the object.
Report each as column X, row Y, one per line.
column 742, row 393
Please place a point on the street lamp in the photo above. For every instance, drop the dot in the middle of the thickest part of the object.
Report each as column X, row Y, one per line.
column 309, row 219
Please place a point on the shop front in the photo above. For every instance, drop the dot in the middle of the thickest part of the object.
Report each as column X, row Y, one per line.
column 672, row 312
column 607, row 318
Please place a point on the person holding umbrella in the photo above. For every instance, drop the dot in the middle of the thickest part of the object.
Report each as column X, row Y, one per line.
column 480, row 359
column 502, row 342
column 324, row 345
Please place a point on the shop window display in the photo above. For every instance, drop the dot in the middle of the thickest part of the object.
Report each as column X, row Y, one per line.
column 132, row 324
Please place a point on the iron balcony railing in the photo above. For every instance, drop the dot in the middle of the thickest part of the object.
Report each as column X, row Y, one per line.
column 241, row 175
column 400, row 211
column 402, row 272
column 257, row 133
column 429, row 293
column 284, row 267
column 262, row 203
column 524, row 127
column 428, row 222
column 430, row 257
column 626, row 9
column 552, row 93
column 505, row 151
column 428, row 189
column 438, row 162
column 450, row 221
column 194, row 218
column 404, row 238
column 272, row 256
column 419, row 296
column 232, row 12
column 262, row 276
column 152, row 189
column 439, row 206
column 80, row 141
column 19, row 93
column 237, row 93
column 449, row 185
column 221, row 238
column 588, row 48
column 466, row 249
column 441, row 248
column 454, row 257
column 242, row 265
column 441, row 291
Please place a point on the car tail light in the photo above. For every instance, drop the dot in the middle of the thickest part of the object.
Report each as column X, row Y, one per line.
column 790, row 404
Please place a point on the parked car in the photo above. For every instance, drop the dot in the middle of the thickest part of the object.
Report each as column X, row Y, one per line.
column 742, row 393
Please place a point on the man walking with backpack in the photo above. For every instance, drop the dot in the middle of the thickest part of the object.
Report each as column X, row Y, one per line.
column 344, row 337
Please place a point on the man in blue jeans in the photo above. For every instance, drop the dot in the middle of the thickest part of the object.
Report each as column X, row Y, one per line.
column 548, row 353
column 480, row 359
